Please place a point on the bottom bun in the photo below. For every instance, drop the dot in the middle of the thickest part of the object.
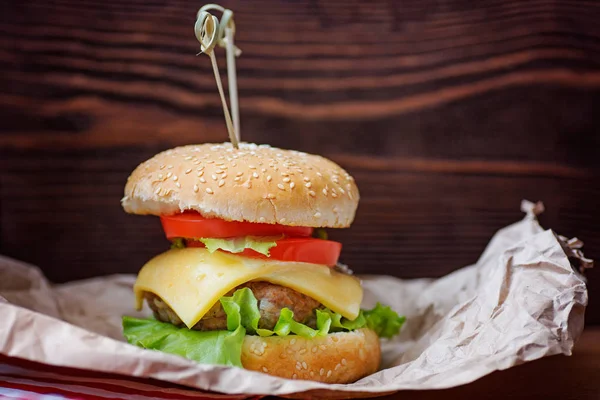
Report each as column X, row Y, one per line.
column 341, row 357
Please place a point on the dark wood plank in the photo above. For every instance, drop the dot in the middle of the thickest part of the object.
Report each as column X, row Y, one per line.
column 448, row 113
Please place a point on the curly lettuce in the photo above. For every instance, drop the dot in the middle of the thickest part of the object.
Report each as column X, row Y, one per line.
column 260, row 244
column 243, row 316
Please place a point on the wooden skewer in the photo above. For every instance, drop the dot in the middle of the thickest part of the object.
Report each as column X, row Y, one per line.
column 210, row 32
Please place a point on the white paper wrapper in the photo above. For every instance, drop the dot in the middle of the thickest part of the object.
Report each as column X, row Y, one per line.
column 521, row 301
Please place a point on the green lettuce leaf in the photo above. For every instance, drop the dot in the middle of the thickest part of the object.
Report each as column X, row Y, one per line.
column 260, row 244
column 286, row 325
column 383, row 320
column 177, row 243
column 212, row 347
column 241, row 309
column 243, row 315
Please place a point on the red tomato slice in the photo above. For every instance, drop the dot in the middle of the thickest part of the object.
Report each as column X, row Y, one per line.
column 308, row 250
column 193, row 225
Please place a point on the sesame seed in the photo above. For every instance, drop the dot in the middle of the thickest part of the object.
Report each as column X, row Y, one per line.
column 255, row 175
column 292, row 185
column 237, row 179
column 284, row 173
column 344, row 361
column 338, row 366
column 286, row 179
column 282, row 221
column 175, row 178
column 187, row 171
column 160, row 176
column 161, row 167
column 325, row 191
column 169, row 174
column 157, row 190
column 334, row 338
column 178, row 184
column 319, row 174
column 322, row 371
column 290, row 351
column 196, row 188
column 209, row 191
column 334, row 195
column 349, row 194
column 220, row 162
column 251, row 167
column 323, row 347
column 308, row 184
column 298, row 366
column 224, row 176
column 169, row 166
column 188, row 158
column 317, row 215
column 304, row 365
column 222, row 166
column 270, row 196
column 306, row 179
column 336, row 210
column 294, row 376
column 214, row 177
column 312, row 373
column 328, row 373
column 221, row 182
column 280, row 186
column 263, row 170
column 221, row 172
column 303, row 350
column 313, row 194
column 269, row 178
column 282, row 355
column 265, row 369
column 293, row 341
column 196, row 162
column 200, row 173
column 342, row 191
column 248, row 185
column 262, row 219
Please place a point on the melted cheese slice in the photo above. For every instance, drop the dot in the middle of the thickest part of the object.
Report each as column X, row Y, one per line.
column 192, row 280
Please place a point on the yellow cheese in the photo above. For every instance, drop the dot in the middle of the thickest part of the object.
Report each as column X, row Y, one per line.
column 192, row 280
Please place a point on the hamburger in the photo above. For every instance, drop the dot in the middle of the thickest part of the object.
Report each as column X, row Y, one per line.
column 251, row 279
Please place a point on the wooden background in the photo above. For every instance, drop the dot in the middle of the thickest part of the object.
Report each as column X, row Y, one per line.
column 447, row 113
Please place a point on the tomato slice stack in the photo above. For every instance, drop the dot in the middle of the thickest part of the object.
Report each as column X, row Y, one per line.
column 296, row 245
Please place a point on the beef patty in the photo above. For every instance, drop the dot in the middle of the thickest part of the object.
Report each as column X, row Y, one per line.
column 271, row 299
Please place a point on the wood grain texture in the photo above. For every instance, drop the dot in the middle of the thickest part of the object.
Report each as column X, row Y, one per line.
column 447, row 112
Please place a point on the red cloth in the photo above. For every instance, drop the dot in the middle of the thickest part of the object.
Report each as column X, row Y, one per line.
column 25, row 380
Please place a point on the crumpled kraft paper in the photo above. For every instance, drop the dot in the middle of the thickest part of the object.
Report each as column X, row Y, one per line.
column 522, row 300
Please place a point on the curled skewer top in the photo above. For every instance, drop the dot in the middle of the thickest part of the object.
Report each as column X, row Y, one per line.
column 211, row 32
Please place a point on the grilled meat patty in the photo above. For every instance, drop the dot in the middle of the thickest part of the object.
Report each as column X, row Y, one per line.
column 271, row 299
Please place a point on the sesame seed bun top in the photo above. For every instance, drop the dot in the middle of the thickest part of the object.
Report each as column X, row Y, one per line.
column 253, row 183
